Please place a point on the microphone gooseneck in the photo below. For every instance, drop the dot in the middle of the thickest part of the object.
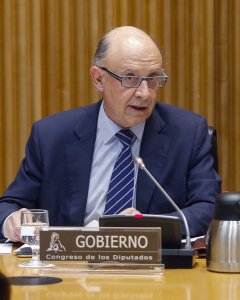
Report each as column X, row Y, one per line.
column 139, row 162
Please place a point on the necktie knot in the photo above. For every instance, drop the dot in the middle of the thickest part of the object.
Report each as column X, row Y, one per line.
column 125, row 136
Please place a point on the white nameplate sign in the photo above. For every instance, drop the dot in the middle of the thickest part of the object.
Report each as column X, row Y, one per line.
column 125, row 245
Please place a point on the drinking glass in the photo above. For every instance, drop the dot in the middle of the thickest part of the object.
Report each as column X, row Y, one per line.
column 32, row 221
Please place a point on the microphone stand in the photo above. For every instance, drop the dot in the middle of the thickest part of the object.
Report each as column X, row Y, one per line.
column 139, row 162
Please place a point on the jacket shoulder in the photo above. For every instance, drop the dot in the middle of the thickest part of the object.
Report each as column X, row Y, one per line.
column 171, row 114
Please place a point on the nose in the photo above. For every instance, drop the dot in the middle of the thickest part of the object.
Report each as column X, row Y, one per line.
column 143, row 91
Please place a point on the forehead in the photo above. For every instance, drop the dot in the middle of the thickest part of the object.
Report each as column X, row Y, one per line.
column 133, row 53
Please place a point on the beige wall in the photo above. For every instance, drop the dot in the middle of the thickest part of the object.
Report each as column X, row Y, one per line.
column 46, row 48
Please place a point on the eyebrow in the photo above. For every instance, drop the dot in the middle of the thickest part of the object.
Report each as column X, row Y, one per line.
column 154, row 71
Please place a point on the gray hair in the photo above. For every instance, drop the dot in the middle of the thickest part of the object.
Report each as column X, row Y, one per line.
column 101, row 50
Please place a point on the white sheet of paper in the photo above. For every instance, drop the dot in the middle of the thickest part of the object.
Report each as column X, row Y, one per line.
column 93, row 223
column 6, row 248
column 193, row 239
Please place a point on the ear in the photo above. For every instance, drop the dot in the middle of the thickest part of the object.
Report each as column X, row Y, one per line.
column 97, row 78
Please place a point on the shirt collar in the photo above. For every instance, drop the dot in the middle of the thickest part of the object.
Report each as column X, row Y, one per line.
column 108, row 128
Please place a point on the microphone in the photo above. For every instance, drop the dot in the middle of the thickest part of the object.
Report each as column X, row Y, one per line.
column 139, row 162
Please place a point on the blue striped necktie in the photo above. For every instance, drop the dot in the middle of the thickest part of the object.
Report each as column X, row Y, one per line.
column 120, row 191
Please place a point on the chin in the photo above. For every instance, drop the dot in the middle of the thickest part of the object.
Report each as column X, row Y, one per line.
column 130, row 120
column 134, row 123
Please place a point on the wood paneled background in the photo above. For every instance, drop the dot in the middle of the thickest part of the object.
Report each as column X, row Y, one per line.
column 46, row 48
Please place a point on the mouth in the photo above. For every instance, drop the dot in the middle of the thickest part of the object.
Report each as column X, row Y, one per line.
column 138, row 108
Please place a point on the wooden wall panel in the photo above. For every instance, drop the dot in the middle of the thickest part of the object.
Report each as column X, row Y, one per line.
column 46, row 49
column 226, row 76
column 235, row 143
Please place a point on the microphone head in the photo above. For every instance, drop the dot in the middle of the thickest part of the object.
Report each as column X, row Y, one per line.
column 139, row 162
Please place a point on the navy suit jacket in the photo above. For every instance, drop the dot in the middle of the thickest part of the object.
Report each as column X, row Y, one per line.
column 56, row 169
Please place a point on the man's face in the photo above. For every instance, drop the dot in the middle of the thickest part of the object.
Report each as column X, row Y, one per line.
column 128, row 107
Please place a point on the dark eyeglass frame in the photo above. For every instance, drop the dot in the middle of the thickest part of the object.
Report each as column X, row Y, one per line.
column 140, row 78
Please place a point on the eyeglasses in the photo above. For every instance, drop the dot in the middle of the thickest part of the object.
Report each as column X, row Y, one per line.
column 153, row 82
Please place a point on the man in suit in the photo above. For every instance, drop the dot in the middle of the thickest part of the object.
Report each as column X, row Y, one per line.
column 70, row 156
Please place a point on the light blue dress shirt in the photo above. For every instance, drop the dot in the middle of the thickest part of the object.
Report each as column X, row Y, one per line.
column 106, row 150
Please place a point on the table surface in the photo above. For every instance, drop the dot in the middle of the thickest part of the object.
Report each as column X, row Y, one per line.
column 196, row 283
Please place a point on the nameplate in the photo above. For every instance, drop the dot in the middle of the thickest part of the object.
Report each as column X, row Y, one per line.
column 125, row 245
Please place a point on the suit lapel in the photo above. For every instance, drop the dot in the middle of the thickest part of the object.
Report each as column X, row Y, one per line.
column 154, row 149
column 79, row 161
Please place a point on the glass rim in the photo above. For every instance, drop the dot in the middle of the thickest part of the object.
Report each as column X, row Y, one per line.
column 34, row 210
